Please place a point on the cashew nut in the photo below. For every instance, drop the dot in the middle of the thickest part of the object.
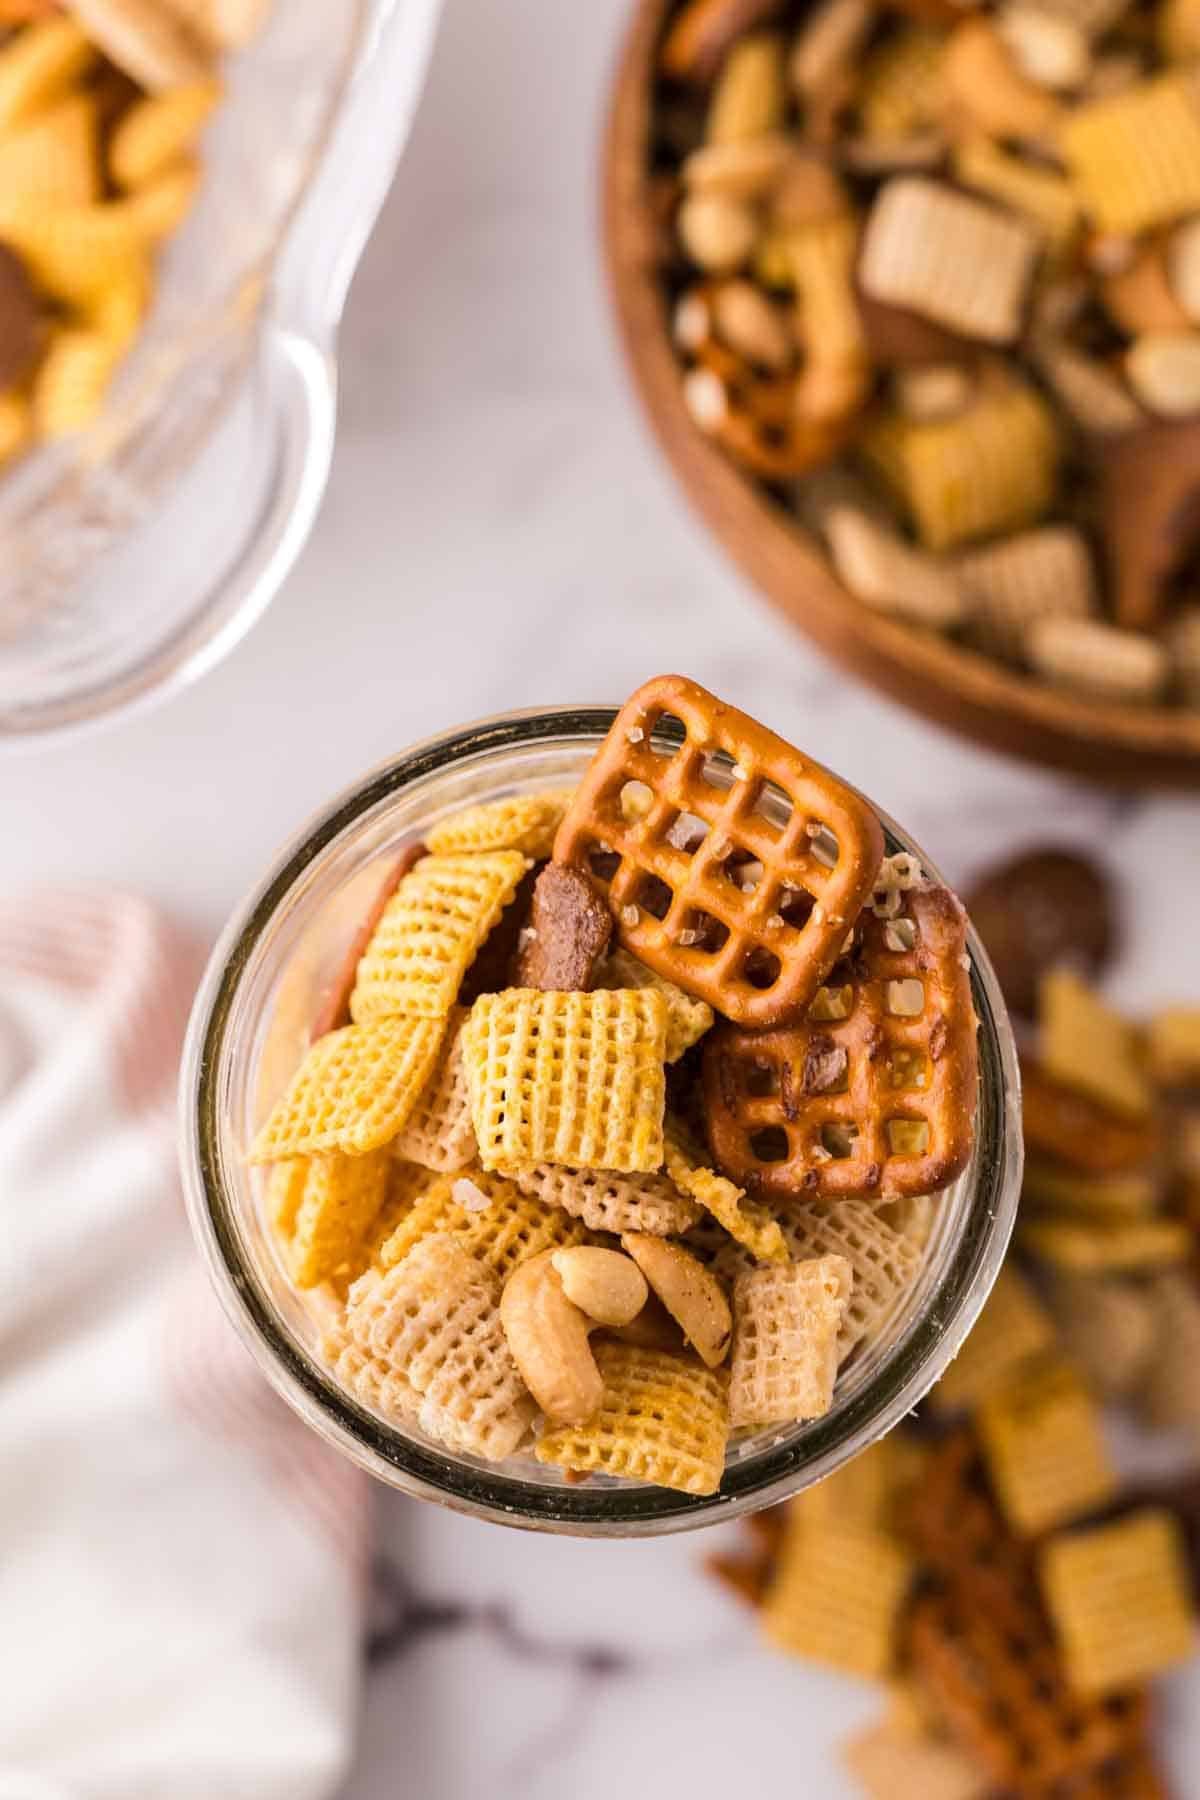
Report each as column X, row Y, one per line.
column 604, row 1284
column 548, row 1337
column 692, row 1296
column 718, row 234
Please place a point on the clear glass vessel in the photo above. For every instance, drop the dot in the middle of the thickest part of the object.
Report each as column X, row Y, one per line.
column 136, row 555
column 249, row 1030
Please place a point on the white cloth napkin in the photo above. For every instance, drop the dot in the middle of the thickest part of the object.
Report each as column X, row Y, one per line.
column 181, row 1560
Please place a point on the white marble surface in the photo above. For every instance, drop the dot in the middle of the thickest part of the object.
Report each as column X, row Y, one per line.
column 498, row 532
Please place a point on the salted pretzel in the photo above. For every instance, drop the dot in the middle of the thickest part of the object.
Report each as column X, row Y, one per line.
column 753, row 917
column 765, row 422
column 880, row 1102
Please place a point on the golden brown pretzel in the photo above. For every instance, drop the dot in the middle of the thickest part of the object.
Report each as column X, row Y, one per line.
column 810, row 1110
column 751, row 918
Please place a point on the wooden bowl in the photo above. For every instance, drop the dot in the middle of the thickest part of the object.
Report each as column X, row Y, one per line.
column 949, row 684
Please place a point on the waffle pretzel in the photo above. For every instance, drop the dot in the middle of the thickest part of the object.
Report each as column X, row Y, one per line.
column 880, row 1103
column 758, row 956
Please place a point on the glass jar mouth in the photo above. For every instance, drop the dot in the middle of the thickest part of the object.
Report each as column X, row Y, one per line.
column 797, row 1456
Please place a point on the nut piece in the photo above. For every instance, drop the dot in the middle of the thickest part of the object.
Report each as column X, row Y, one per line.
column 747, row 321
column 1140, row 297
column 885, row 572
column 653, row 1329
column 1183, row 268
column 548, row 1337
column 692, row 1296
column 1052, row 51
column 608, row 1287
column 1164, row 372
column 985, row 81
column 1098, row 659
column 827, row 43
column 745, row 171
column 718, row 234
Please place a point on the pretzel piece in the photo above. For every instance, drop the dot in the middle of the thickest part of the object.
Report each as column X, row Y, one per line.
column 757, row 956
column 879, row 1103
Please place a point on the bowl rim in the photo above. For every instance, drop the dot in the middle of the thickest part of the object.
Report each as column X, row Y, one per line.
column 928, row 1343
column 947, row 683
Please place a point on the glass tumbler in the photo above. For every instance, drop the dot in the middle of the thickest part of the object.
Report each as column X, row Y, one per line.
column 249, row 1030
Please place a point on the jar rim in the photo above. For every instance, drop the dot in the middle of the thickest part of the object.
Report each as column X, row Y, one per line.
column 924, row 1348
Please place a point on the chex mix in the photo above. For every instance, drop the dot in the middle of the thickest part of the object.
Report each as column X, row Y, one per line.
column 620, row 1128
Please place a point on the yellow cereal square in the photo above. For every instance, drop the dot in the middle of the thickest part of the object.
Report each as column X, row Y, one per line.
column 664, row 1419
column 687, row 1019
column 1173, row 1046
column 1088, row 1047
column 1012, row 1329
column 525, row 822
column 837, row 1595
column 493, row 1218
column 439, row 1133
column 576, row 1079
column 342, row 1197
column 51, row 160
column 1120, row 1600
column 1045, row 1450
column 353, row 1091
column 430, row 932
column 748, row 1222
column 1135, row 157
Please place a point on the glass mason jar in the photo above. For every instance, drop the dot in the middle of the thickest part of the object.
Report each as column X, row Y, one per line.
column 249, row 1030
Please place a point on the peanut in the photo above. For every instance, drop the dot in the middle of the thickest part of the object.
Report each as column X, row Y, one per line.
column 604, row 1284
column 1164, row 372
column 718, row 234
column 694, row 1298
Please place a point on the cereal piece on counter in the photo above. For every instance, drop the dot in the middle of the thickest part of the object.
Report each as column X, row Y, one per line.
column 438, row 1133
column 991, row 469
column 1046, row 573
column 577, row 1079
column 1064, row 1125
column 1173, row 1046
column 155, row 132
column 1095, row 1199
column 430, row 932
column 525, row 822
column 1135, row 158
column 434, row 1320
column 884, row 572
column 607, row 1201
column 1107, row 1327
column 567, row 934
column 1183, row 643
column 496, row 1222
column 146, row 40
column 40, row 65
column 1045, row 200
column 837, row 1597
column 786, row 1323
column 1119, row 1596
column 51, row 160
column 747, row 1221
column 1098, row 660
column 687, row 1019
column 951, row 258
column 354, row 1090
column 342, row 1198
column 1044, row 1447
column 888, row 1763
column 1089, row 1047
column 1170, row 1396
column 664, row 1419
column 1010, row 1332
column 866, row 1493
column 70, row 385
column 1123, row 1247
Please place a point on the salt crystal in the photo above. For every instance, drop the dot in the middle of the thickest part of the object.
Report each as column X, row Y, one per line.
column 469, row 1197
column 820, row 1154
column 635, row 734
column 630, row 915
column 739, row 773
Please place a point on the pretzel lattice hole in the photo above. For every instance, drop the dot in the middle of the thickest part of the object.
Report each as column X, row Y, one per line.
column 905, row 999
column 704, row 931
column 908, row 1068
column 603, row 863
column 908, row 1137
column 652, row 895
column 761, row 968
column 795, row 906
column 716, row 771
column 687, row 832
column 775, row 808
column 838, row 1139
column 668, row 736
column 770, row 1145
column 825, row 847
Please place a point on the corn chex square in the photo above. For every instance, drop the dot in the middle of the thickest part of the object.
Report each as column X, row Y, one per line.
column 430, row 932
column 434, row 1320
column 1120, row 1600
column 664, row 1419
column 525, row 822
column 1011, row 1330
column 1089, row 1047
column 606, row 1201
column 354, row 1090
column 748, row 1222
column 837, row 1595
column 1135, row 157
column 439, row 1133
column 490, row 1216
column 342, row 1198
column 784, row 1359
column 687, row 1018
column 576, row 1079
column 1044, row 1447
